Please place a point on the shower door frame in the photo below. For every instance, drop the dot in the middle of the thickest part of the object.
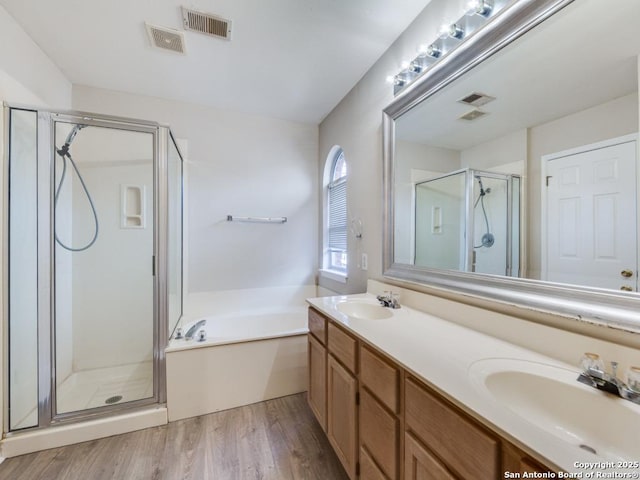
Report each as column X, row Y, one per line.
column 470, row 190
column 469, row 217
column 46, row 119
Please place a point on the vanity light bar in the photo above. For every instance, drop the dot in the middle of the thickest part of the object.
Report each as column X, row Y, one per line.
column 478, row 13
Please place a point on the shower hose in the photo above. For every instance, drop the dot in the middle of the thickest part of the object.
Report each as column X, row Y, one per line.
column 65, row 155
column 487, row 238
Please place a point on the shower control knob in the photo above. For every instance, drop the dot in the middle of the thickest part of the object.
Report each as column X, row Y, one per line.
column 626, row 273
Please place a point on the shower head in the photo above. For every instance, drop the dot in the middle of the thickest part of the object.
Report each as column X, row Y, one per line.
column 483, row 191
column 64, row 150
column 72, row 134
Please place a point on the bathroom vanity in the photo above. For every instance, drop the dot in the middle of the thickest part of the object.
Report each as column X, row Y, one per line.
column 400, row 395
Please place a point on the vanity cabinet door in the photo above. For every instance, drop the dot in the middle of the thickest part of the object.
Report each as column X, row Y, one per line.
column 379, row 434
column 420, row 464
column 317, row 392
column 516, row 461
column 342, row 415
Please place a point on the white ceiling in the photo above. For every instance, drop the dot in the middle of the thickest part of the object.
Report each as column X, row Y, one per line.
column 584, row 56
column 290, row 59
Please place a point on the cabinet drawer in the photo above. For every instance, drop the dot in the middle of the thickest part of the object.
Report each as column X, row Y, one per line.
column 419, row 464
column 381, row 378
column 343, row 347
column 318, row 326
column 465, row 447
column 379, row 434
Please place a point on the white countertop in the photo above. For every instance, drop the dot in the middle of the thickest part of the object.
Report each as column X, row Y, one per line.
column 441, row 352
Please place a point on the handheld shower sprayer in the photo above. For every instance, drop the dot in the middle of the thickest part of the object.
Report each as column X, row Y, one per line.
column 65, row 155
column 488, row 239
column 62, row 151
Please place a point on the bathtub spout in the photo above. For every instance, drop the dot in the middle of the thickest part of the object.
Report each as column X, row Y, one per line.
column 194, row 328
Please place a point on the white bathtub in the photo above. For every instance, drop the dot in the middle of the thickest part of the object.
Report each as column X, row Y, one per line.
column 247, row 357
column 244, row 327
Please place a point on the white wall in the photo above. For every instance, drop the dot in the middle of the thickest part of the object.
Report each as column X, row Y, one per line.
column 27, row 75
column 356, row 125
column 242, row 165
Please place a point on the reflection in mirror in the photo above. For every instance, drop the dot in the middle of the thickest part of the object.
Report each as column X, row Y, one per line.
column 544, row 131
column 469, row 221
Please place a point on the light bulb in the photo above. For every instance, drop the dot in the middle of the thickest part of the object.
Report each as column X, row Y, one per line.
column 455, row 31
column 398, row 81
column 415, row 67
column 433, row 51
column 480, row 7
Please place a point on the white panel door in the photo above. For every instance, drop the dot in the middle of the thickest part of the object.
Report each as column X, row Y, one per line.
column 591, row 218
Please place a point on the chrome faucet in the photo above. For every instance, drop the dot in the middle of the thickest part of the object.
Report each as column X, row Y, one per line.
column 389, row 299
column 194, row 328
column 596, row 377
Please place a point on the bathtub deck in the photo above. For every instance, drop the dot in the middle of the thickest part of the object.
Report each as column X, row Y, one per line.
column 277, row 439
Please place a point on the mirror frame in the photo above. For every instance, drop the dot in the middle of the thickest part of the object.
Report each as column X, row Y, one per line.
column 586, row 304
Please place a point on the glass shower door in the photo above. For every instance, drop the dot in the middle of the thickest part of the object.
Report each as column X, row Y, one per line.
column 440, row 225
column 104, row 266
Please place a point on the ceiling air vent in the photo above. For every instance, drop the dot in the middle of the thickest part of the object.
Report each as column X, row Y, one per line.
column 206, row 23
column 473, row 115
column 476, row 99
column 166, row 38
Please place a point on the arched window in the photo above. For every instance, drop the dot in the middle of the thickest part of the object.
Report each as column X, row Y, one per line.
column 336, row 233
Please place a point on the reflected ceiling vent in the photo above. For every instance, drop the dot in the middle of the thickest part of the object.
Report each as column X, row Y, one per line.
column 206, row 23
column 166, row 38
column 476, row 99
column 472, row 115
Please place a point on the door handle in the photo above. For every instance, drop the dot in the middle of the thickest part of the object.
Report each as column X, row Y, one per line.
column 626, row 273
column 624, row 288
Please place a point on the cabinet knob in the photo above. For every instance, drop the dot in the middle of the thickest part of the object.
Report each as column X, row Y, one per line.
column 626, row 273
column 624, row 288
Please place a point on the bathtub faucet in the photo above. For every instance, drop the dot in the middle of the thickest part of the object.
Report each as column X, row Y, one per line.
column 194, row 328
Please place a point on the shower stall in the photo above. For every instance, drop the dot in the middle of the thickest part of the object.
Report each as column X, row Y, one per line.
column 469, row 220
column 93, row 264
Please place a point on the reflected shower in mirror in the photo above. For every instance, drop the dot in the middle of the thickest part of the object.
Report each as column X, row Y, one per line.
column 543, row 131
column 468, row 220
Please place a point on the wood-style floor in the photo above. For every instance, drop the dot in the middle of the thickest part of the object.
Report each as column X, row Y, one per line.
column 276, row 439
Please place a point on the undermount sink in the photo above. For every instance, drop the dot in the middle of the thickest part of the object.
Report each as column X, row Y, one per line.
column 364, row 310
column 550, row 398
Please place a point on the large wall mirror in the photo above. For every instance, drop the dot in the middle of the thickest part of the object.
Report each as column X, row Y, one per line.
column 511, row 166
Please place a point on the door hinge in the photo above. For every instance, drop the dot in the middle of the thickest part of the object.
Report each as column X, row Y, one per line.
column 357, row 469
column 153, row 265
column 547, row 180
column 357, row 398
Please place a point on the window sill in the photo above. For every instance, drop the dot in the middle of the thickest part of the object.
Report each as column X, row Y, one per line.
column 333, row 275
